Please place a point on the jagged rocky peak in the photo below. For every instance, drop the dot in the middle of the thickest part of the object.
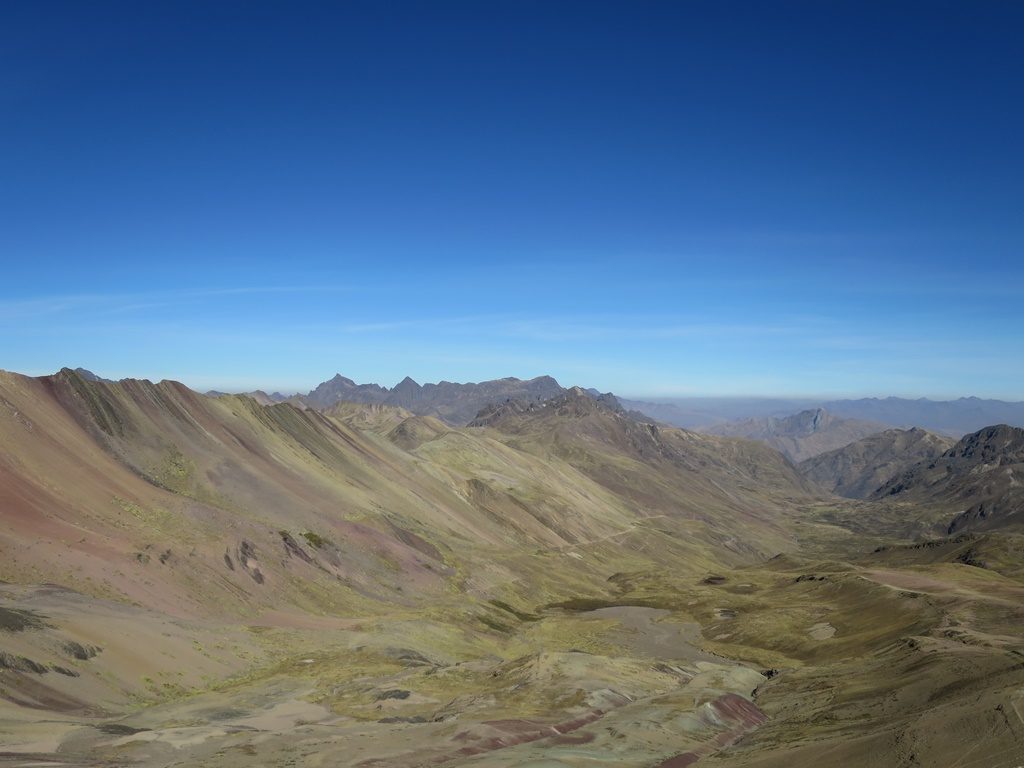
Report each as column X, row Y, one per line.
column 88, row 375
column 494, row 412
column 577, row 402
column 574, row 402
column 452, row 402
column 341, row 388
column 811, row 421
column 407, row 386
column 977, row 478
column 587, row 399
column 541, row 382
column 858, row 469
column 1000, row 442
column 341, row 381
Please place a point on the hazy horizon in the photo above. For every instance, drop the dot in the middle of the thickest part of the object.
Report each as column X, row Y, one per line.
column 201, row 385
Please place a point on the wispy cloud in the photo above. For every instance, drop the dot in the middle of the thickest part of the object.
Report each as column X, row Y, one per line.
column 624, row 328
column 99, row 304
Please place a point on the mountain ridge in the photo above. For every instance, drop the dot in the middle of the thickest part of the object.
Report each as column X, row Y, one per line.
column 975, row 479
column 452, row 402
column 857, row 470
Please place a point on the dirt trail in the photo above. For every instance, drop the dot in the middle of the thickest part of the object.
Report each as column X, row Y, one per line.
column 614, row 535
column 913, row 581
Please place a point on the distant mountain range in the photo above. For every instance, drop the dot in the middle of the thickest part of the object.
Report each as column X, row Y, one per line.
column 951, row 417
column 702, row 412
column 454, row 403
column 801, row 435
column 458, row 404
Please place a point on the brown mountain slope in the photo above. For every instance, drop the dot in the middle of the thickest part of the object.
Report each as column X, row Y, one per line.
column 801, row 435
column 206, row 515
column 201, row 506
column 978, row 480
column 198, row 506
column 199, row 581
column 857, row 470
column 728, row 486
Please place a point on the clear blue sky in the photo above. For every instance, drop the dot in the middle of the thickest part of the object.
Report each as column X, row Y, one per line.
column 650, row 198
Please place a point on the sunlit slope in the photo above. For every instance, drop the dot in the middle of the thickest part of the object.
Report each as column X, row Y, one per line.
column 917, row 665
column 734, row 492
column 197, row 505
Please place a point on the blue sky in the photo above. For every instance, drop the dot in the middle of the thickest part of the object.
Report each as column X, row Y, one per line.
column 650, row 198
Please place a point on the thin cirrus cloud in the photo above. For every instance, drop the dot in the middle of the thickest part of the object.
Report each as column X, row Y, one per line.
column 117, row 303
column 626, row 328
